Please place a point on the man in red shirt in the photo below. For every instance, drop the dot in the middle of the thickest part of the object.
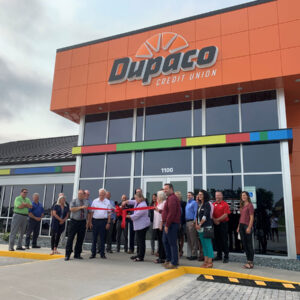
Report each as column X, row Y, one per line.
column 171, row 220
column 220, row 218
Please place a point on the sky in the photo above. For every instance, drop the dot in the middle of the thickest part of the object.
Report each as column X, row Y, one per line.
column 32, row 30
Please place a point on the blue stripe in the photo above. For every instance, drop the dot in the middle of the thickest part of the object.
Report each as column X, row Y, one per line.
column 34, row 170
column 254, row 136
column 280, row 134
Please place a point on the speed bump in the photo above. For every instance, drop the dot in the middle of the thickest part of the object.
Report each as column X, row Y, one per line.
column 251, row 282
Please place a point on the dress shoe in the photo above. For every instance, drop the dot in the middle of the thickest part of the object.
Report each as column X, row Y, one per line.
column 20, row 248
column 217, row 258
column 36, row 246
column 133, row 257
column 103, row 256
column 225, row 260
column 12, row 249
column 78, row 257
column 170, row 266
column 130, row 252
column 67, row 258
column 92, row 256
column 165, row 264
column 27, row 247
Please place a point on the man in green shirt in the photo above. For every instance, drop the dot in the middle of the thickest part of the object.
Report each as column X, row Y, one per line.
column 19, row 220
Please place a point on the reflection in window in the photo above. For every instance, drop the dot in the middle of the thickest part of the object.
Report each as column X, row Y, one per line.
column 118, row 164
column 120, row 126
column 197, row 184
column 6, row 200
column 198, row 118
column 198, row 161
column 223, row 159
column 95, row 129
column 136, row 185
column 139, row 124
column 269, row 213
column 67, row 189
column 230, row 186
column 168, row 121
column 167, row 162
column 262, row 157
column 259, row 111
column 222, row 115
column 92, row 166
column 49, row 200
column 137, row 163
column 118, row 187
column 93, row 186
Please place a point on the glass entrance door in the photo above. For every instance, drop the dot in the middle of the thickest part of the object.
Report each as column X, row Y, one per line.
column 152, row 185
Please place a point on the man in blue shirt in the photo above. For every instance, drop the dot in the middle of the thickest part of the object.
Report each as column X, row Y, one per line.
column 190, row 217
column 36, row 213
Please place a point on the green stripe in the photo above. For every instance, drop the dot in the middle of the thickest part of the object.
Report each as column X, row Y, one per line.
column 58, row 169
column 146, row 145
column 263, row 135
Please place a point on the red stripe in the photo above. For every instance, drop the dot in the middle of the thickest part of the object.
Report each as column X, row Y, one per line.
column 99, row 148
column 183, row 142
column 68, row 169
column 237, row 137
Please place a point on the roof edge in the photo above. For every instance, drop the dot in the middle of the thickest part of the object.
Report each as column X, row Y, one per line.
column 183, row 20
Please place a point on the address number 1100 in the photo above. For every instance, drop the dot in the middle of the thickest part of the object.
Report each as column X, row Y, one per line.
column 167, row 170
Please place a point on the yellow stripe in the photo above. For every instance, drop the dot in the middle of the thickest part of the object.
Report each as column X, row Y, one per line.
column 288, row 286
column 139, row 287
column 29, row 255
column 206, row 140
column 233, row 280
column 261, row 283
column 4, row 171
column 76, row 150
column 209, row 277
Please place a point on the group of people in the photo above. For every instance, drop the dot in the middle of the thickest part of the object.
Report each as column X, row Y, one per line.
column 202, row 221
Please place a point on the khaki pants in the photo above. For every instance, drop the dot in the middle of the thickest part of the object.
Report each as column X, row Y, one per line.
column 192, row 238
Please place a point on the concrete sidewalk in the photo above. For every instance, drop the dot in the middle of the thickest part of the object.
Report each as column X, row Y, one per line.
column 79, row 279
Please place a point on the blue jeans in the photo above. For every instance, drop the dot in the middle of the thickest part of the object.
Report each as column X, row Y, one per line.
column 170, row 244
column 99, row 227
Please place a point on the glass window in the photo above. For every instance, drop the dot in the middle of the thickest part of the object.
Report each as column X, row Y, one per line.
column 120, row 126
column 167, row 162
column 222, row 115
column 198, row 160
column 6, row 200
column 136, row 184
column 95, row 129
column 118, row 187
column 230, row 186
column 67, row 189
column 198, row 118
column 48, row 202
column 118, row 164
column 197, row 184
column 262, row 157
column 223, row 159
column 92, row 166
column 168, row 121
column 269, row 213
column 137, row 163
column 259, row 111
column 139, row 124
column 93, row 186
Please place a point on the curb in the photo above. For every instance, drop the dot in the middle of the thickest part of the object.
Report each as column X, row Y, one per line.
column 141, row 286
column 29, row 255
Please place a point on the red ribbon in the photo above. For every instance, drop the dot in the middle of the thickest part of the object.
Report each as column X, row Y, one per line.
column 122, row 211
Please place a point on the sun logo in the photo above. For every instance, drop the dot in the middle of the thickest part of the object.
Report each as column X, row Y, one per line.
column 168, row 41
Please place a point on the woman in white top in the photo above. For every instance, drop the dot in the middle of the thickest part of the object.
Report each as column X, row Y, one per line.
column 157, row 226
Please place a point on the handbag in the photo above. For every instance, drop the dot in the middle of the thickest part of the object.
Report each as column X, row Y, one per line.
column 208, row 232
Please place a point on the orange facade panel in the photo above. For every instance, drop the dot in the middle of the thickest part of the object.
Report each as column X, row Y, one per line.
column 255, row 43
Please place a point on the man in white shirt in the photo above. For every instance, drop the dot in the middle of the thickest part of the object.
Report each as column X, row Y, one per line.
column 99, row 221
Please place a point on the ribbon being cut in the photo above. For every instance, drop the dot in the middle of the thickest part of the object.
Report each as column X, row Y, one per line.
column 122, row 211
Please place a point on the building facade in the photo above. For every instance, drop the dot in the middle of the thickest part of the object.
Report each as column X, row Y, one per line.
column 210, row 101
column 43, row 166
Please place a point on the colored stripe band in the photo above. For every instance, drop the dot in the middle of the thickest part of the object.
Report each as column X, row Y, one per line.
column 233, row 138
column 38, row 170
